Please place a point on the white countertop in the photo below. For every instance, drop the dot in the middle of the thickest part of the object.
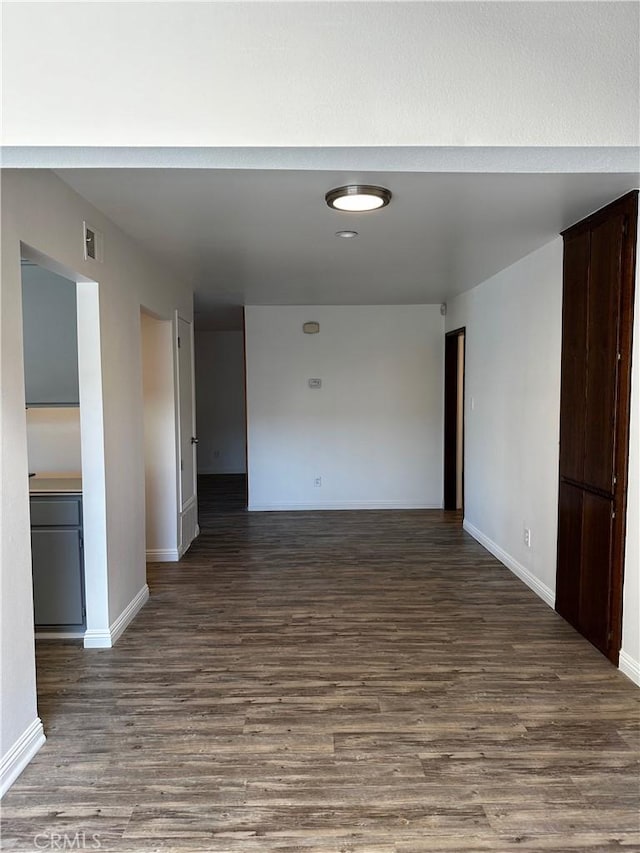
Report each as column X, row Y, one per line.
column 44, row 485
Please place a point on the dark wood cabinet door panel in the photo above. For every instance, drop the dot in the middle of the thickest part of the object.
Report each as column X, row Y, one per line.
column 569, row 552
column 574, row 362
column 602, row 352
column 597, row 324
column 595, row 579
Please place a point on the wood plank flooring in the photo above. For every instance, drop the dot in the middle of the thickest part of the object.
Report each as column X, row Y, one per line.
column 370, row 682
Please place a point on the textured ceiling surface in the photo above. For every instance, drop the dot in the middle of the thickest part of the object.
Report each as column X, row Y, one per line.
column 267, row 237
column 321, row 74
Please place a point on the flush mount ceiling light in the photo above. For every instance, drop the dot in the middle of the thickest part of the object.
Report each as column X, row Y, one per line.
column 357, row 198
column 347, row 235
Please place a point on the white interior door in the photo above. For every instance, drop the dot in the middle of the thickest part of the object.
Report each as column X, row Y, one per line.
column 187, row 423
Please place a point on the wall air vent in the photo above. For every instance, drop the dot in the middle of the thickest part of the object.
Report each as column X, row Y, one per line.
column 93, row 243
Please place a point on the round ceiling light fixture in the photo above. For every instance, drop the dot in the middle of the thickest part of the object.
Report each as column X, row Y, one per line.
column 358, row 198
column 347, row 235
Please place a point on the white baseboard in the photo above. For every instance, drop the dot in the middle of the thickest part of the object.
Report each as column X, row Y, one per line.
column 97, row 638
column 337, row 505
column 129, row 613
column 163, row 555
column 59, row 635
column 540, row 589
column 107, row 637
column 630, row 667
column 20, row 754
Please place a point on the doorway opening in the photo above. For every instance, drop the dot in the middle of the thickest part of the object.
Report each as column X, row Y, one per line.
column 159, row 414
column 52, row 396
column 221, row 414
column 454, row 372
column 68, row 439
column 65, row 447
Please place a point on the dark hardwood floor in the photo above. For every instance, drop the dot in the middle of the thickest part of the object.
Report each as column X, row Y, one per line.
column 338, row 682
column 220, row 494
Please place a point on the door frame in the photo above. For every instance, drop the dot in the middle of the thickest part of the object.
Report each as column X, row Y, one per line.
column 451, row 415
column 167, row 549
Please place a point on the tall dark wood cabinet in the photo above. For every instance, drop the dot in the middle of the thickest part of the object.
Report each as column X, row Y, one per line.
column 597, row 325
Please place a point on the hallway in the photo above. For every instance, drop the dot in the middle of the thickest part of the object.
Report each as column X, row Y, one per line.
column 371, row 682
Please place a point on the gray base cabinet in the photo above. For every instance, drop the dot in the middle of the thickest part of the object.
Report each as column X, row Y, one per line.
column 58, row 568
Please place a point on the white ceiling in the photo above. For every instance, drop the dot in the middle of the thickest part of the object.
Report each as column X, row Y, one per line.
column 320, row 74
column 267, row 237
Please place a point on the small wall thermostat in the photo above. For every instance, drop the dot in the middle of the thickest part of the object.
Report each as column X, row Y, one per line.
column 315, row 383
column 311, row 328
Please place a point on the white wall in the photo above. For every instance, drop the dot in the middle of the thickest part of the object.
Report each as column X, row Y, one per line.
column 512, row 404
column 41, row 211
column 514, row 341
column 292, row 74
column 158, row 389
column 220, row 413
column 373, row 432
column 630, row 655
column 53, row 440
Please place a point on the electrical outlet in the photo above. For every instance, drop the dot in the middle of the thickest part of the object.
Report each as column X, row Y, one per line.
column 216, row 454
column 527, row 537
column 317, row 482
